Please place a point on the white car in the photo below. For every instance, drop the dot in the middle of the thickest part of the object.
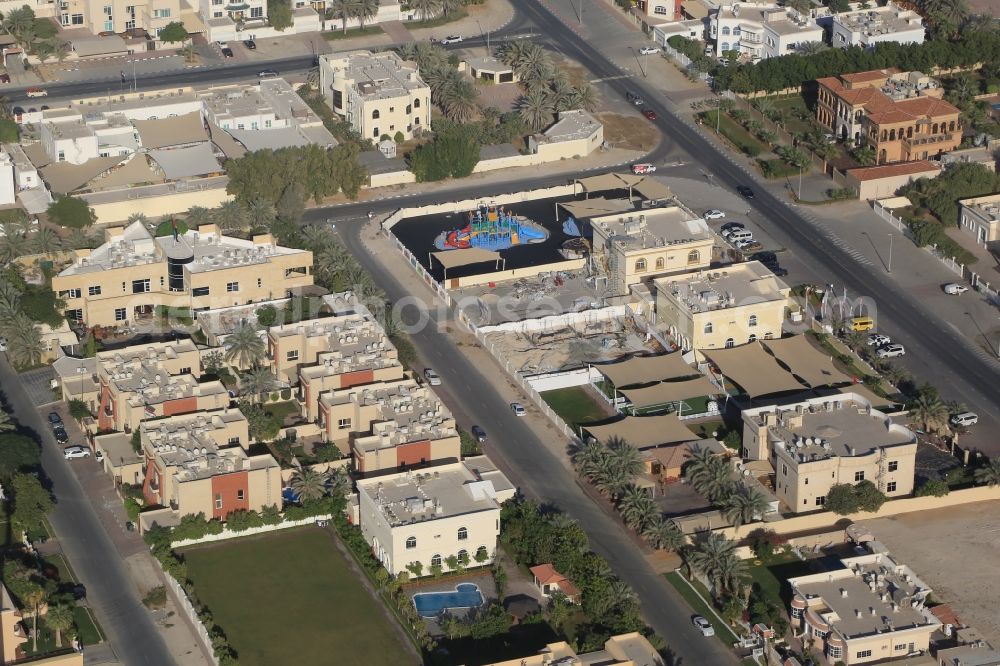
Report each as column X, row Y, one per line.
column 432, row 377
column 71, row 452
column 714, row 214
column 965, row 419
column 703, row 625
column 649, row 50
column 955, row 289
column 3, row 345
column 452, row 39
column 891, row 351
column 518, row 409
column 878, row 340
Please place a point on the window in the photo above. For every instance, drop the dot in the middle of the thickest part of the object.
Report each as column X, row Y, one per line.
column 267, row 124
column 416, row 120
column 660, row 263
column 659, row 9
column 409, row 109
column 753, row 321
column 890, row 487
column 836, row 651
column 232, row 286
column 256, row 12
column 859, row 476
column 784, row 469
column 260, row 282
column 862, row 654
column 463, row 556
column 74, row 315
column 805, row 481
column 77, row 19
column 640, row 265
column 709, row 328
column 416, row 104
column 463, row 534
column 72, row 293
column 482, row 553
column 107, row 9
column 109, row 26
column 730, row 343
column 218, row 501
column 821, row 500
column 292, row 355
column 694, row 257
column 343, row 424
column 233, row 441
column 900, row 647
column 752, row 338
column 161, row 13
column 240, row 495
column 893, row 465
column 61, row 156
column 435, row 560
column 140, row 286
column 411, row 542
column 119, row 314
column 375, row 114
column 199, row 291
column 725, row 30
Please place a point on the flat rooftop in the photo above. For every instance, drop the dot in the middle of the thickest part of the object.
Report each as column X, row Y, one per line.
column 153, row 352
column 723, row 288
column 350, row 333
column 988, row 206
column 190, row 442
column 381, row 75
column 653, row 227
column 571, row 126
column 880, row 20
column 471, row 486
column 408, row 412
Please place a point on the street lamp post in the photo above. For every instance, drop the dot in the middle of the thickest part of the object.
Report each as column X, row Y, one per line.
column 800, row 184
column 889, row 265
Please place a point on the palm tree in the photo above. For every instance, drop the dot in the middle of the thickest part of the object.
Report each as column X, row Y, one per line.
column 625, row 457
column 260, row 213
column 535, row 108
column 448, row 6
column 364, row 10
column 6, row 424
column 744, row 506
column 611, row 479
column 864, row 155
column 315, row 237
column 33, row 595
column 663, row 534
column 709, row 474
column 308, row 484
column 425, row 9
column 339, row 482
column 637, row 508
column 341, row 10
column 458, row 101
column 810, row 48
column 584, row 96
column 197, row 216
column 24, row 340
column 231, row 216
column 714, row 557
column 5, row 108
column 589, row 458
column 929, row 411
column 19, row 23
column 59, row 619
column 257, row 381
column 244, row 346
column 989, row 474
column 46, row 241
column 13, row 244
column 10, row 297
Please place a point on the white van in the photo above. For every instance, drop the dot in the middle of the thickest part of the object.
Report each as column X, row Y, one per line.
column 740, row 235
column 965, row 419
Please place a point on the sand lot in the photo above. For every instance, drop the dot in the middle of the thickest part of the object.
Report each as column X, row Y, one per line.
column 957, row 552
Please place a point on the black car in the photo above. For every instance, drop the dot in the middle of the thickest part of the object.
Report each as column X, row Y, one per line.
column 227, row 52
column 633, row 98
column 479, row 434
column 60, row 433
column 55, row 419
column 765, row 257
column 779, row 271
column 732, row 225
column 250, row 44
column 745, row 191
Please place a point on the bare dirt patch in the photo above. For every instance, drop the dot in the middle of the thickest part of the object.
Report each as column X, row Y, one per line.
column 936, row 543
column 628, row 132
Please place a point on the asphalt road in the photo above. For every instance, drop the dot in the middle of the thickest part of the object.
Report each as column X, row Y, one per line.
column 110, row 592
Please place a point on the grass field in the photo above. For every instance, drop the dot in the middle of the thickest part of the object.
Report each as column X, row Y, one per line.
column 574, row 405
column 733, row 131
column 290, row 597
column 722, row 631
column 772, row 574
column 366, row 31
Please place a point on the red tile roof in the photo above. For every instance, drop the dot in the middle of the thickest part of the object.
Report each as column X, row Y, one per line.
column 946, row 614
column 546, row 574
column 891, row 170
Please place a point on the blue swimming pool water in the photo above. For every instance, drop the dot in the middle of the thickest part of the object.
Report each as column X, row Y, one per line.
column 465, row 595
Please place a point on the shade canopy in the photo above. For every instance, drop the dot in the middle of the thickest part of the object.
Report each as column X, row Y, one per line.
column 664, row 393
column 171, row 131
column 756, row 371
column 643, row 432
column 63, row 177
column 465, row 256
column 646, row 369
column 196, row 160
column 805, row 361
column 653, row 189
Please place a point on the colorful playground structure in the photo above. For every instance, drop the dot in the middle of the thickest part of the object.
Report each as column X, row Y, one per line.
column 491, row 228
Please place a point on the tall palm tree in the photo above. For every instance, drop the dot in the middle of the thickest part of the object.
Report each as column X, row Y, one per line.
column 458, row 101
column 637, row 508
column 19, row 23
column 10, row 298
column 744, row 506
column 590, row 457
column 260, row 213
column 365, row 10
column 810, row 48
column 425, row 9
column 341, row 10
column 584, row 96
column 625, row 457
column 244, row 346
column 79, row 239
column 663, row 534
column 560, row 93
column 339, row 482
column 449, row 6
column 231, row 216
column 989, row 474
column 257, row 381
column 308, row 484
column 6, row 424
column 34, row 595
column 59, row 618
column 535, row 108
column 714, row 556
column 315, row 237
column 197, row 216
column 930, row 411
column 24, row 340
column 46, row 241
column 611, row 479
column 709, row 474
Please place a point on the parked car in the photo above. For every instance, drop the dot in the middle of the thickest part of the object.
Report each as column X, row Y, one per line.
column 267, row 74
column 3, row 344
column 60, row 434
column 479, row 434
column 99, row 456
column 703, row 625
column 55, row 419
column 955, row 289
column 891, row 351
column 36, row 92
column 878, row 340
column 71, row 452
column 453, row 39
column 965, row 419
column 714, row 214
column 632, row 98
column 518, row 409
column 250, row 44
column 227, row 52
column 643, row 167
column 4, row 78
column 829, row 138
column 731, row 226
column 649, row 113
column 750, row 245
column 779, row 271
column 649, row 50
column 432, row 377
column 744, row 191
column 738, row 236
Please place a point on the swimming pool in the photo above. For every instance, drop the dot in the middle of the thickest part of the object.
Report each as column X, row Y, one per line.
column 465, row 595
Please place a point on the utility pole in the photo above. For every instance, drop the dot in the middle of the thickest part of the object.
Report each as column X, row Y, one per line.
column 889, row 266
column 800, row 183
column 579, row 11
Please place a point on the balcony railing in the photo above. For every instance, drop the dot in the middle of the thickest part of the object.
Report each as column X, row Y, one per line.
column 924, row 140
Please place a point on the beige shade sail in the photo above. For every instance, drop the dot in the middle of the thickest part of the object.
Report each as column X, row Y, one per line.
column 133, row 172
column 666, row 392
column 805, row 361
column 653, row 189
column 646, row 369
column 596, row 206
column 172, row 131
column 756, row 371
column 643, row 432
column 604, row 181
column 63, row 177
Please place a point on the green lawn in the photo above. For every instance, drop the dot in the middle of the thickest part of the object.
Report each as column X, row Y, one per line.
column 282, row 409
column 290, row 596
column 735, row 133
column 772, row 574
column 90, row 631
column 437, row 21
column 722, row 631
column 574, row 405
column 367, row 31
column 795, row 105
column 777, row 168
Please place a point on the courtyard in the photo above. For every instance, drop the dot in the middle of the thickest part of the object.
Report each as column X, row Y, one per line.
column 293, row 596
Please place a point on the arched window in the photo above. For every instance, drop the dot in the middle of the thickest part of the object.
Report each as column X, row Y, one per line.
column 725, row 30
column 482, row 554
column 708, row 327
column 463, row 534
column 411, row 542
column 640, row 265
column 375, row 114
column 737, row 31
column 753, row 338
column 885, row 135
column 951, row 126
column 435, row 560
column 694, row 256
column 463, row 556
column 725, row 46
column 892, row 135
column 660, row 263
column 730, row 343
column 934, row 128
column 416, row 104
column 753, row 321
